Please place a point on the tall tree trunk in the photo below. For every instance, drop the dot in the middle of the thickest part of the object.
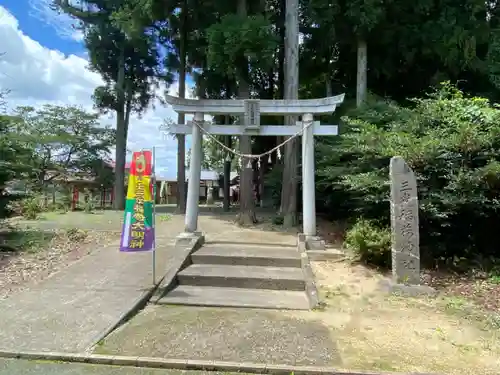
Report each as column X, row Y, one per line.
column 121, row 135
column 128, row 110
column 227, row 172
column 181, row 138
column 281, row 50
column 328, row 84
column 281, row 71
column 247, row 208
column 262, row 173
column 362, row 67
column 289, row 186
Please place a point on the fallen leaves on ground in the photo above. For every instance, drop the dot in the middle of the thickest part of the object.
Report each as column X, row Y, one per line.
column 378, row 331
column 483, row 291
column 476, row 286
column 332, row 232
column 35, row 258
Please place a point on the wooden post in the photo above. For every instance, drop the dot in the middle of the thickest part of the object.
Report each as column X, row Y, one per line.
column 74, row 201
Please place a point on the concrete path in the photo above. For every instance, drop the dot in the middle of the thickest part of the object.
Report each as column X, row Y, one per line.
column 18, row 367
column 226, row 334
column 70, row 310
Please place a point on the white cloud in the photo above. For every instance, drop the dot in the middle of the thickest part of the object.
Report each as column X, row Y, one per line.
column 36, row 75
column 63, row 25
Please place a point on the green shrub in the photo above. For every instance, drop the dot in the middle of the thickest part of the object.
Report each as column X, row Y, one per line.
column 32, row 207
column 64, row 201
column 29, row 207
column 89, row 206
column 369, row 242
column 452, row 143
column 76, row 235
column 30, row 241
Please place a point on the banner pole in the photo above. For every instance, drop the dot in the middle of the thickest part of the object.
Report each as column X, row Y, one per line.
column 154, row 216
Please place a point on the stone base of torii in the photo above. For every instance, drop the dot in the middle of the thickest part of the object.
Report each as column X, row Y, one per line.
column 251, row 110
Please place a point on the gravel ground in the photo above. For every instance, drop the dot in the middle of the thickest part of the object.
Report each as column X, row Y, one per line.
column 47, row 252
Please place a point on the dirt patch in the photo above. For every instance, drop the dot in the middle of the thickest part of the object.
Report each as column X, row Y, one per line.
column 32, row 255
column 375, row 331
column 480, row 287
column 471, row 280
column 332, row 232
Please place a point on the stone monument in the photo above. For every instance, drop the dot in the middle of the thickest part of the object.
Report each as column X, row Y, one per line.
column 210, row 195
column 404, row 223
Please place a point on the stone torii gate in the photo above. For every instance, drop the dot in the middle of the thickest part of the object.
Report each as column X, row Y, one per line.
column 252, row 109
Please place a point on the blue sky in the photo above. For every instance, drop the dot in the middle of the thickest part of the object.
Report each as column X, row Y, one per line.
column 44, row 62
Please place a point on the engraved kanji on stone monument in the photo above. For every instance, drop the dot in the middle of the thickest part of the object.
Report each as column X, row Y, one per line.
column 404, row 223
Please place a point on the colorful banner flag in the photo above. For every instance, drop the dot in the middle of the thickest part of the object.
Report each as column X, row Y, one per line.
column 138, row 231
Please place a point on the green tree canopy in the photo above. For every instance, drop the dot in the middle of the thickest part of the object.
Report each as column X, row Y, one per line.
column 61, row 141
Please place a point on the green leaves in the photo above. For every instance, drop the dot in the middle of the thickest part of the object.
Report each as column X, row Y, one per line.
column 493, row 58
column 235, row 39
column 452, row 143
column 62, row 141
column 365, row 15
column 14, row 155
column 117, row 34
column 369, row 242
column 39, row 145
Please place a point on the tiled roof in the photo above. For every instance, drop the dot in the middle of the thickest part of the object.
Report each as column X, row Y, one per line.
column 112, row 164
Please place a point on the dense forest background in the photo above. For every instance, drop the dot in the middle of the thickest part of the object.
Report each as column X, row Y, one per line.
column 421, row 80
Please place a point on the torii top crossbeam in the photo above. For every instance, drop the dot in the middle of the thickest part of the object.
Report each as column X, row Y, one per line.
column 267, row 106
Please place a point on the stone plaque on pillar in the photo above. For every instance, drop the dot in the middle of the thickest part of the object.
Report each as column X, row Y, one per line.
column 252, row 115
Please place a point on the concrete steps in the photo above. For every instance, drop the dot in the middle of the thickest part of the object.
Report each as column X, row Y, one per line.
column 236, row 297
column 240, row 275
column 252, row 277
column 248, row 256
